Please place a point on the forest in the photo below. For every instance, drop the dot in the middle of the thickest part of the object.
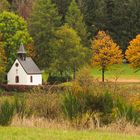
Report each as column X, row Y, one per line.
column 41, row 25
column 89, row 55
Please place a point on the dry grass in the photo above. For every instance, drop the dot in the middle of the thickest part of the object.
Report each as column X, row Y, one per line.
column 120, row 126
column 40, row 123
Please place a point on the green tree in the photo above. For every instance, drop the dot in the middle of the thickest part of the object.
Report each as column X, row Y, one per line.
column 43, row 23
column 14, row 31
column 62, row 6
column 75, row 19
column 4, row 5
column 94, row 15
column 3, row 60
column 70, row 54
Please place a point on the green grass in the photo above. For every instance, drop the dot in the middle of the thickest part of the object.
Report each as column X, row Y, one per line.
column 123, row 71
column 12, row 133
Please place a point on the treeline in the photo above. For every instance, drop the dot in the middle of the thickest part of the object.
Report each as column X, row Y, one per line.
column 119, row 18
column 58, row 33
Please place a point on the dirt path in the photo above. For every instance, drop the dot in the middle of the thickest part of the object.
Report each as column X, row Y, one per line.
column 126, row 80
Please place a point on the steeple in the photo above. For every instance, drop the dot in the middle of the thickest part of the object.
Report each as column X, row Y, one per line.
column 21, row 53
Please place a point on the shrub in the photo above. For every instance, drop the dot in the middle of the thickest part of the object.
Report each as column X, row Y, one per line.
column 127, row 111
column 71, row 106
column 84, row 78
column 3, row 78
column 103, row 104
column 6, row 113
column 21, row 109
column 57, row 79
column 45, row 105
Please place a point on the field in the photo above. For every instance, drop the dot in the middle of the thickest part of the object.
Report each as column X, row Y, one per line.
column 12, row 133
column 123, row 72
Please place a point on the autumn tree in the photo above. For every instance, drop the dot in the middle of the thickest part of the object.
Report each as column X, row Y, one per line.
column 70, row 54
column 43, row 23
column 105, row 52
column 133, row 53
column 14, row 31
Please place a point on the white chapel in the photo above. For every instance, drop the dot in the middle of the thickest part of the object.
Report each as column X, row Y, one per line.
column 24, row 71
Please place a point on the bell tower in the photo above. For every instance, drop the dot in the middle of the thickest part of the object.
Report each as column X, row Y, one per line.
column 21, row 53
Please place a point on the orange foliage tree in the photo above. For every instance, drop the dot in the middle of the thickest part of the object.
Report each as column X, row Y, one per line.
column 105, row 52
column 133, row 53
column 3, row 59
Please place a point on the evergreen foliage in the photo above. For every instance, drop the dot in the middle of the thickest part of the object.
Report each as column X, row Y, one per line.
column 43, row 23
column 75, row 19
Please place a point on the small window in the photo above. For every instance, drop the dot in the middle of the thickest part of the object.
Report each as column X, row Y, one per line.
column 17, row 64
column 31, row 79
column 17, row 79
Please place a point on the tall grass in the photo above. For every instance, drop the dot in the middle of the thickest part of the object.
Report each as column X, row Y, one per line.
column 6, row 113
column 71, row 106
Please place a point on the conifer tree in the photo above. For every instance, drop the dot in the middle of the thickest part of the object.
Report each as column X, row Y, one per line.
column 75, row 19
column 43, row 23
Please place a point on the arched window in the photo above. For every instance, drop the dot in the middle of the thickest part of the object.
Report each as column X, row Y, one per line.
column 31, row 79
column 17, row 79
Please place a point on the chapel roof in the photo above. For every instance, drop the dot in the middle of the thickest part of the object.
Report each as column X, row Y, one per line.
column 29, row 66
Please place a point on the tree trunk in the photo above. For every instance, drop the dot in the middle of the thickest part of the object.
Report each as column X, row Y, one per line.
column 103, row 74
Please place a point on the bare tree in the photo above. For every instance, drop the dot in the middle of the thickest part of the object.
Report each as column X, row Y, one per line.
column 23, row 7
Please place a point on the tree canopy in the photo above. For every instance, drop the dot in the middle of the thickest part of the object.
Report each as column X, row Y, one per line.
column 133, row 53
column 3, row 59
column 105, row 52
column 70, row 54
column 75, row 19
column 14, row 31
column 43, row 23
column 4, row 5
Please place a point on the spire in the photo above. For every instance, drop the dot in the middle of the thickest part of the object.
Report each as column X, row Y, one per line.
column 21, row 52
column 21, row 49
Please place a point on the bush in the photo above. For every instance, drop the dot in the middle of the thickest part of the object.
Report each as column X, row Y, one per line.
column 57, row 79
column 44, row 105
column 3, row 78
column 84, row 78
column 127, row 111
column 6, row 113
column 101, row 104
column 21, row 109
column 71, row 106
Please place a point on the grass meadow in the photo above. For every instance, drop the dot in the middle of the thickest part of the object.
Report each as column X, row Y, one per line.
column 13, row 133
column 123, row 72
column 41, row 105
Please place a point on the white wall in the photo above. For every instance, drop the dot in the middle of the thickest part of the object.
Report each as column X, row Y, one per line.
column 24, row 78
column 17, row 71
column 37, row 79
